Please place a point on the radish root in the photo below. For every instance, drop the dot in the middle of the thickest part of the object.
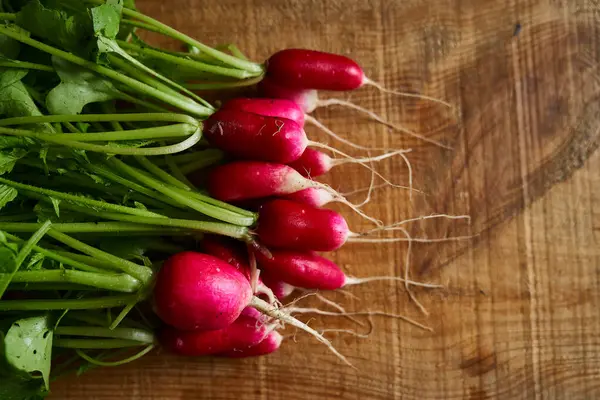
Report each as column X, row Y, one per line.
column 285, row 317
column 380, row 87
column 381, row 120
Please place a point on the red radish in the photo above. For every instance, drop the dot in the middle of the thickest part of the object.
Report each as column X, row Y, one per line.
column 245, row 180
column 268, row 345
column 279, row 108
column 313, row 163
column 316, row 197
column 251, row 136
column 243, row 333
column 308, row 270
column 306, row 99
column 310, row 69
column 280, row 289
column 305, row 270
column 199, row 291
column 291, row 225
column 233, row 253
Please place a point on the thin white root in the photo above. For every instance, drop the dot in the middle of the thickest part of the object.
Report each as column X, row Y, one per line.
column 357, row 281
column 407, row 274
column 264, row 290
column 337, row 137
column 274, row 312
column 336, row 306
column 374, row 116
column 357, row 238
column 348, row 331
column 369, row 82
column 362, row 190
column 366, row 313
column 341, row 153
column 416, row 219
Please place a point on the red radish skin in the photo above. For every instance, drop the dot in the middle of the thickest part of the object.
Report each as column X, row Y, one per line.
column 199, row 291
column 256, row 137
column 310, row 69
column 306, row 99
column 280, row 289
column 305, row 270
column 268, row 345
column 243, row 333
column 316, row 197
column 290, row 225
column 278, row 108
column 312, row 163
column 245, row 180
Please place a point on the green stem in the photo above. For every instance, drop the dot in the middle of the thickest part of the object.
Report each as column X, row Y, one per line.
column 8, row 16
column 254, row 68
column 159, row 132
column 192, row 64
column 95, row 343
column 114, row 45
column 134, row 117
column 224, row 85
column 176, row 171
column 194, row 201
column 209, row 157
column 57, row 257
column 49, row 287
column 81, row 200
column 31, row 243
column 25, row 65
column 153, row 169
column 116, row 282
column 66, row 304
column 93, row 227
column 189, row 106
column 139, row 335
column 140, row 272
column 101, row 363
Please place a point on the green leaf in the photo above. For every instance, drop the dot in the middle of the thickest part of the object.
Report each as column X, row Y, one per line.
column 106, row 18
column 8, row 159
column 35, row 262
column 128, row 249
column 8, row 266
column 28, row 347
column 7, row 194
column 55, row 205
column 78, row 87
column 9, row 47
column 70, row 31
column 15, row 100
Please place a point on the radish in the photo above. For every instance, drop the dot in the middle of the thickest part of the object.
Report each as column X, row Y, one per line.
column 245, row 332
column 291, row 225
column 308, row 270
column 199, row 291
column 268, row 345
column 308, row 100
column 279, row 108
column 246, row 180
column 280, row 289
column 231, row 252
column 251, row 136
column 316, row 197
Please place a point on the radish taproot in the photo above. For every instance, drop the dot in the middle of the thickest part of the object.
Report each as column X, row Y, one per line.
column 268, row 345
column 309, row 270
column 242, row 333
column 256, row 137
column 276, row 107
column 200, row 291
column 291, row 225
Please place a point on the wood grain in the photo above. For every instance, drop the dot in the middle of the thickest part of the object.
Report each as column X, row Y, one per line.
column 520, row 316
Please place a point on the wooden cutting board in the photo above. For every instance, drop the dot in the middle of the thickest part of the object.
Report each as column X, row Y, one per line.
column 520, row 315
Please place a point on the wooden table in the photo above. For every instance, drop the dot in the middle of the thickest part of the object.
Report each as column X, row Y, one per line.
column 519, row 318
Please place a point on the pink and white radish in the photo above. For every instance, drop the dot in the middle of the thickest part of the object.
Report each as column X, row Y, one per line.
column 280, row 289
column 256, row 137
column 199, row 291
column 308, row 270
column 268, row 345
column 244, row 333
column 246, row 180
column 275, row 107
column 232, row 252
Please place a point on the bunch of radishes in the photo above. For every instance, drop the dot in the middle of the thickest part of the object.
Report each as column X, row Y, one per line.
column 209, row 300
